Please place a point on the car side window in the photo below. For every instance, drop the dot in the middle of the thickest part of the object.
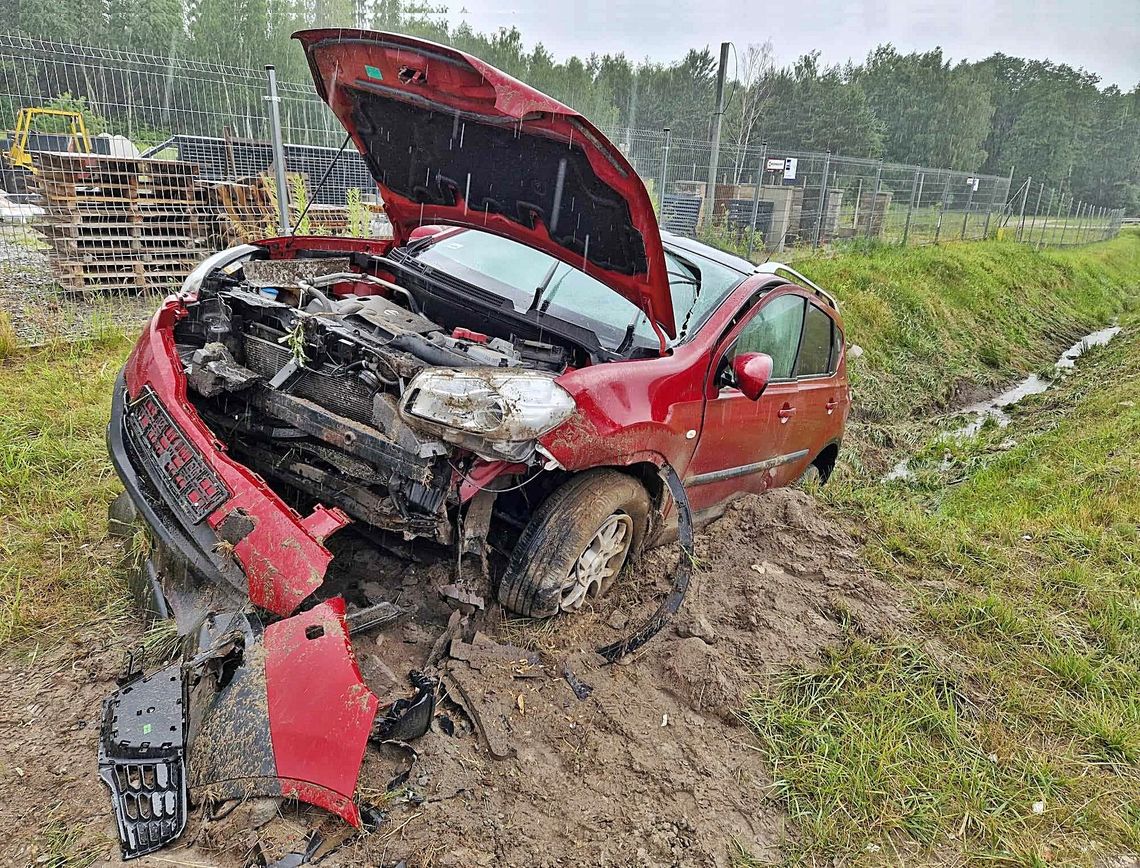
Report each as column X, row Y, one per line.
column 775, row 330
column 815, row 348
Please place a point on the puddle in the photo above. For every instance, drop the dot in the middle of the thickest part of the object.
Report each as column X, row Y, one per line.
column 994, row 408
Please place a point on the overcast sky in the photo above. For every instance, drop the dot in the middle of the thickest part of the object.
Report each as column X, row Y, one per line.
column 1103, row 36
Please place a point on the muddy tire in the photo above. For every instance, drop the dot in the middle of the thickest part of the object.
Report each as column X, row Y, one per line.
column 576, row 544
column 810, row 477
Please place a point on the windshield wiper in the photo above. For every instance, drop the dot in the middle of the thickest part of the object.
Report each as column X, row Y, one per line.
column 627, row 338
column 541, row 288
column 684, row 278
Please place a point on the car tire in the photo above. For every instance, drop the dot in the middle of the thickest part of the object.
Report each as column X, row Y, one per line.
column 810, row 477
column 600, row 511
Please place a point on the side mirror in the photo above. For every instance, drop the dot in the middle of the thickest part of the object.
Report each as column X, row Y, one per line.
column 752, row 371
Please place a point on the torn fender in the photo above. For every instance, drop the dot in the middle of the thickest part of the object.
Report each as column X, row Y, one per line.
column 292, row 717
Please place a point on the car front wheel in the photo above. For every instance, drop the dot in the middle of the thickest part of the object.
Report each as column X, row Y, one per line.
column 576, row 544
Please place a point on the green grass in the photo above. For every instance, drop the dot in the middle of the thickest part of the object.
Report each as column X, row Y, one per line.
column 57, row 568
column 1019, row 682
column 933, row 318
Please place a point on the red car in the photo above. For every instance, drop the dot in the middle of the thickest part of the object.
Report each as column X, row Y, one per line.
column 515, row 368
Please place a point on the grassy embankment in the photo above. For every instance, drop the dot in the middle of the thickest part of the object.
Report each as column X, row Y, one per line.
column 1005, row 725
column 57, row 568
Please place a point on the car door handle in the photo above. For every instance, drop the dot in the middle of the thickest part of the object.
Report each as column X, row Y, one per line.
column 832, row 403
column 786, row 412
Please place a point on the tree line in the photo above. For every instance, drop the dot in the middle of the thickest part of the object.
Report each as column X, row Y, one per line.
column 1039, row 118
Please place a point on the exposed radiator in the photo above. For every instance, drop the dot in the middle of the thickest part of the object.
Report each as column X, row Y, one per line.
column 342, row 394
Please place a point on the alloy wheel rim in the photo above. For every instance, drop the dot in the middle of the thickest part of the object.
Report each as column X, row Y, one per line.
column 602, row 559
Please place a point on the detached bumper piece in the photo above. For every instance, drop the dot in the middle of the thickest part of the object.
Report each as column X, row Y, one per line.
column 276, row 711
column 142, row 760
column 287, row 714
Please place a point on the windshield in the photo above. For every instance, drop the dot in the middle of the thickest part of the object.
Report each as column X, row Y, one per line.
column 515, row 272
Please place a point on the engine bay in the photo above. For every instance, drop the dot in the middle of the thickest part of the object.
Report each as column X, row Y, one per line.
column 346, row 383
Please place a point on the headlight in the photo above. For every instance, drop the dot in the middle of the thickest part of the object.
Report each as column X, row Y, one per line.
column 491, row 403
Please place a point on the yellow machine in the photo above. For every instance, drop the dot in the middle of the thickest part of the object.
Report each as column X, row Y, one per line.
column 18, row 154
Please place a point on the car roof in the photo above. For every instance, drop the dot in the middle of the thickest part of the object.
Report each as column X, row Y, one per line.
column 721, row 257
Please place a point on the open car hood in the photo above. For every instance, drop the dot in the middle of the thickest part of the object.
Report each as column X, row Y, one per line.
column 451, row 140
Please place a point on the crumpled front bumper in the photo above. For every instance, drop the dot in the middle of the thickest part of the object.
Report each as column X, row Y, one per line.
column 220, row 517
column 274, row 711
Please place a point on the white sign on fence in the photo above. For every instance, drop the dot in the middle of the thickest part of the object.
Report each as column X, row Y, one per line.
column 790, row 168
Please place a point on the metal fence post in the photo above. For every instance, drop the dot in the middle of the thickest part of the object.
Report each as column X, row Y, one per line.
column 664, row 167
column 278, row 151
column 1065, row 224
column 1060, row 202
column 822, row 198
column 969, row 203
column 756, row 197
column 875, row 198
column 1021, row 217
column 1048, row 208
column 1036, row 210
column 910, row 208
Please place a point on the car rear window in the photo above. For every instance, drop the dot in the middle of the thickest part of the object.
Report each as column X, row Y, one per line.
column 815, row 347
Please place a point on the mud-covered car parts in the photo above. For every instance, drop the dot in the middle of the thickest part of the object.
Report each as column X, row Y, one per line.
column 260, row 711
column 439, row 386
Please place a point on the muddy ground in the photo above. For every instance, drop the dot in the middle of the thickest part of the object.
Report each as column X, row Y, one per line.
column 652, row 768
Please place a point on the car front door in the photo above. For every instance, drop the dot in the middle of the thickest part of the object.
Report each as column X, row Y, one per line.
column 742, row 442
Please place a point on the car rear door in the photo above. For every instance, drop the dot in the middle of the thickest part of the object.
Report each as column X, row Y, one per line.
column 820, row 399
column 742, row 442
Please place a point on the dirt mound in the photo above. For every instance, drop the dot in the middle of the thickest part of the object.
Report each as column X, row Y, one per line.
column 652, row 767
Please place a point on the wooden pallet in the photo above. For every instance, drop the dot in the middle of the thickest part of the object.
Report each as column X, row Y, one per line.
column 118, row 222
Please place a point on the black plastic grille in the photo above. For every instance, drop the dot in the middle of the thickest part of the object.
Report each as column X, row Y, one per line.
column 142, row 759
column 193, row 485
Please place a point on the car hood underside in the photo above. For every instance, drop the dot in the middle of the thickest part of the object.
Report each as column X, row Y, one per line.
column 451, row 140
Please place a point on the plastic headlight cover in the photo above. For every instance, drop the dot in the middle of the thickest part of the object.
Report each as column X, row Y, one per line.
column 489, row 402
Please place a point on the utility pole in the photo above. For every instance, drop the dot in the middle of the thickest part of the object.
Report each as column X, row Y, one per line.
column 714, row 155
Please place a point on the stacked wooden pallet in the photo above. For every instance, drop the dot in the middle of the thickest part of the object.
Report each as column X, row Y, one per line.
column 118, row 222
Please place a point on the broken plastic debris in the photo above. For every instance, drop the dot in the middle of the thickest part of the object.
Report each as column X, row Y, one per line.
column 461, row 598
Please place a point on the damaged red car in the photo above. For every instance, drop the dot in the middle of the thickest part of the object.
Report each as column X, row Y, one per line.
column 514, row 374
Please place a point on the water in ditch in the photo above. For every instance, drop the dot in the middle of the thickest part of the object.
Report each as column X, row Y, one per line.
column 995, row 408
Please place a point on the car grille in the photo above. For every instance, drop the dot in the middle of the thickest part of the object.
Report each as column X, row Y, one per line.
column 343, row 395
column 193, row 485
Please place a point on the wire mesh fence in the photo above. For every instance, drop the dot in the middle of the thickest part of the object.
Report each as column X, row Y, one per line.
column 175, row 160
